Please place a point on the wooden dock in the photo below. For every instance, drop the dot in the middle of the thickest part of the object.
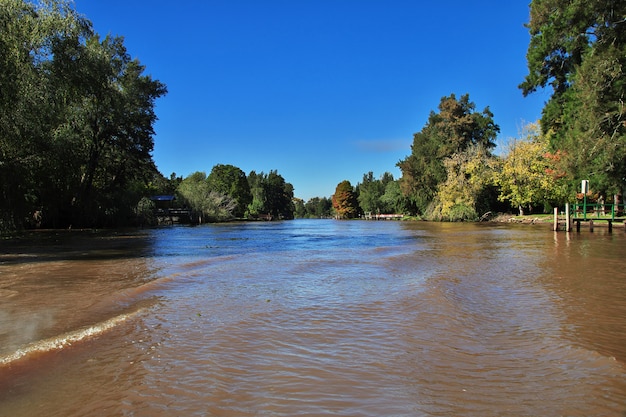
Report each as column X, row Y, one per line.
column 589, row 214
column 372, row 216
column 174, row 216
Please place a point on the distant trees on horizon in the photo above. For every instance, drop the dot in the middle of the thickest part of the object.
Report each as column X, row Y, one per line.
column 227, row 193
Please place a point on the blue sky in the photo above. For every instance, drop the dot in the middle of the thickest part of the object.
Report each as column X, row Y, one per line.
column 320, row 90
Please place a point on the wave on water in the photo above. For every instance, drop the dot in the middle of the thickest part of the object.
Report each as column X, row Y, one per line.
column 61, row 341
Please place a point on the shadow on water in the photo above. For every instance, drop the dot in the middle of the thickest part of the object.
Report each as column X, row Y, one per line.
column 65, row 245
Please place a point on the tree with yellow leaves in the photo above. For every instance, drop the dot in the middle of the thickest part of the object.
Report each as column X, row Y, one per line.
column 528, row 174
column 469, row 178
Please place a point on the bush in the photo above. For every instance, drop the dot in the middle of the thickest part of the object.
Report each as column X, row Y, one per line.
column 145, row 212
column 462, row 213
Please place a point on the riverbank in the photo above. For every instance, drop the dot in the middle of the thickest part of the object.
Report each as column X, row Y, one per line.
column 526, row 219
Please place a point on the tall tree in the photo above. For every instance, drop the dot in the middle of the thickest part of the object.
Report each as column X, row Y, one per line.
column 28, row 34
column 271, row 195
column 111, row 117
column 278, row 196
column 76, row 118
column 344, row 201
column 579, row 50
column 456, row 127
column 369, row 193
column 231, row 181
column 257, row 206
column 206, row 203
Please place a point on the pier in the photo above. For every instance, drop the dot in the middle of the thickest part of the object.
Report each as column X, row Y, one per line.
column 590, row 214
column 372, row 216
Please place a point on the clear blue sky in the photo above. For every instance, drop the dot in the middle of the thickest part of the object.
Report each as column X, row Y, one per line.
column 320, row 90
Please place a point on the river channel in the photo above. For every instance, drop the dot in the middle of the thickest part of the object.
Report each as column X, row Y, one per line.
column 314, row 318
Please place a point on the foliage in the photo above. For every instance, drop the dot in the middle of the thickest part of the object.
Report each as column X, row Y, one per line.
column 76, row 120
column 371, row 191
column 318, row 207
column 299, row 208
column 393, row 200
column 206, row 204
column 146, row 212
column 579, row 49
column 271, row 195
column 453, row 130
column 468, row 174
column 528, row 174
column 344, row 201
column 278, row 196
column 231, row 181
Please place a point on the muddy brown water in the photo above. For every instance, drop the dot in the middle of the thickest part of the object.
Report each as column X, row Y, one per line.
column 313, row 318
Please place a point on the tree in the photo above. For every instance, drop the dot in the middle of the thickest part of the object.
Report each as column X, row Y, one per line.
column 28, row 33
column 299, row 208
column 369, row 193
column 206, row 204
column 231, row 181
column 579, row 50
column 278, row 196
column 257, row 205
column 271, row 195
column 76, row 119
column 468, row 174
column 528, row 174
column 393, row 200
column 110, row 120
column 319, row 207
column 454, row 129
column 344, row 201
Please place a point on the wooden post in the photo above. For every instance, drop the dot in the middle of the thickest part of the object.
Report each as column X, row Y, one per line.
column 556, row 219
column 568, row 221
column 591, row 225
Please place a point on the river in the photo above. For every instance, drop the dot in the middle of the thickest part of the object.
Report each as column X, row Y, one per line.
column 314, row 318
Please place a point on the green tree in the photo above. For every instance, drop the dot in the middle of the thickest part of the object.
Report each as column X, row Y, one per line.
column 76, row 118
column 207, row 205
column 111, row 122
column 318, row 207
column 393, row 200
column 299, row 208
column 344, row 201
column 257, row 206
column 579, row 50
column 369, row 193
column 278, row 196
column 28, row 33
column 231, row 181
column 456, row 127
column 271, row 195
